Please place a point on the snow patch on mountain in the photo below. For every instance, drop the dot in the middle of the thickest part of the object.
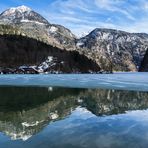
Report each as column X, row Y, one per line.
column 29, row 21
column 79, row 44
column 23, row 8
column 53, row 29
column 49, row 62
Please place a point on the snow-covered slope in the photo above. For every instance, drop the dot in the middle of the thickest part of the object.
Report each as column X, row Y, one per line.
column 114, row 49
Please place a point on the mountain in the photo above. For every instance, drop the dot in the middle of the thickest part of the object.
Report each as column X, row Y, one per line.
column 26, row 55
column 144, row 64
column 114, row 49
column 21, row 14
column 33, row 25
column 29, row 42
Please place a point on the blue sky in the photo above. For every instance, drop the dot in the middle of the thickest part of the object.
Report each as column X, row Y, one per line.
column 82, row 16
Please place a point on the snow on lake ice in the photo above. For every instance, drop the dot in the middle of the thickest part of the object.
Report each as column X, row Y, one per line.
column 121, row 81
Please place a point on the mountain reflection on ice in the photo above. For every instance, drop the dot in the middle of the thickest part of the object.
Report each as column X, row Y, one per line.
column 41, row 116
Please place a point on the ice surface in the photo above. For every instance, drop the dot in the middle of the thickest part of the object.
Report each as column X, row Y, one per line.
column 121, row 81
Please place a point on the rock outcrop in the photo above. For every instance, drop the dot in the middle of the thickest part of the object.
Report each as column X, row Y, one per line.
column 144, row 64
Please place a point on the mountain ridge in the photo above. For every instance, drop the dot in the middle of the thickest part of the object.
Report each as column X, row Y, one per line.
column 111, row 49
column 115, row 45
column 35, row 26
column 17, row 55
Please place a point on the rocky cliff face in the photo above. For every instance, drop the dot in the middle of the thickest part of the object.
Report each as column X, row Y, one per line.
column 144, row 64
column 113, row 49
column 20, row 53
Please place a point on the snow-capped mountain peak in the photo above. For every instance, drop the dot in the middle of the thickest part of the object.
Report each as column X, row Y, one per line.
column 13, row 10
column 34, row 25
column 16, row 15
column 23, row 8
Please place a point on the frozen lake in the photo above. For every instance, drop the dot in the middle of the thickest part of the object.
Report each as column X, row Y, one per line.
column 121, row 81
column 74, row 111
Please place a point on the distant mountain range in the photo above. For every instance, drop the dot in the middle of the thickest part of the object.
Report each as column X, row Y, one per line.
column 110, row 50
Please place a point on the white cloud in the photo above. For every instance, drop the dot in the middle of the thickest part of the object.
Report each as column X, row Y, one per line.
column 143, row 5
column 139, row 26
column 113, row 5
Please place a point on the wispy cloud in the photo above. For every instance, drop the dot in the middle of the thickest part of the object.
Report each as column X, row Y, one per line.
column 114, row 6
column 82, row 16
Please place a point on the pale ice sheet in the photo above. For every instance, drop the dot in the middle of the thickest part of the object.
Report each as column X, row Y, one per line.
column 121, row 81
